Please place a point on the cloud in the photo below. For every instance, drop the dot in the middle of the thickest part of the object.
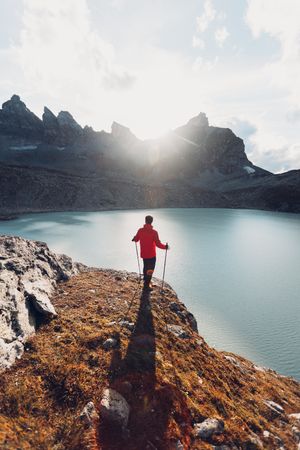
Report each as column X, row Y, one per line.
column 278, row 144
column 198, row 43
column 206, row 17
column 293, row 116
column 243, row 128
column 272, row 150
column 280, row 20
column 221, row 35
column 60, row 51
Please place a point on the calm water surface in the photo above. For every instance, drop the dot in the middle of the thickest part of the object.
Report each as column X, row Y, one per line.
column 238, row 271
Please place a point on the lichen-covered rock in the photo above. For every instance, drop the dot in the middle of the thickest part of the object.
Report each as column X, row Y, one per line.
column 178, row 331
column 114, row 408
column 208, row 428
column 29, row 273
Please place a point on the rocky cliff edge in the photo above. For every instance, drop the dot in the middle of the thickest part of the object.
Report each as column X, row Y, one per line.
column 118, row 369
column 29, row 273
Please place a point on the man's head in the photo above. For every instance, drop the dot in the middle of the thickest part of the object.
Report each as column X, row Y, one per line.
column 148, row 219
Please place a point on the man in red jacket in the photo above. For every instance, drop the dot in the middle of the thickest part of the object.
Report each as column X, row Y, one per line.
column 149, row 240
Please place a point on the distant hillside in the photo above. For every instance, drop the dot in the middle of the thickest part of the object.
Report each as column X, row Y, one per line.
column 195, row 165
column 103, row 375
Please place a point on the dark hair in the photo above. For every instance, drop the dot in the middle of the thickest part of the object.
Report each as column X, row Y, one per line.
column 149, row 219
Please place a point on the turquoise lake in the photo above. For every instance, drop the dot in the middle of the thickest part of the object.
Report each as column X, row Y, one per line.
column 237, row 271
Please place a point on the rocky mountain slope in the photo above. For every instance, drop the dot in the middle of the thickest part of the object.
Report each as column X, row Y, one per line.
column 194, row 165
column 118, row 369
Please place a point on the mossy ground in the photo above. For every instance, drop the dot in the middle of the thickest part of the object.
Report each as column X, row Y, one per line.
column 173, row 382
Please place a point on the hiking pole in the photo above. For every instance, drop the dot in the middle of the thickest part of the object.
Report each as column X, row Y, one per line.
column 138, row 260
column 164, row 271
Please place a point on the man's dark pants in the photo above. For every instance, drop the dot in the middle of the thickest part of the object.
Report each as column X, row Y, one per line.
column 149, row 266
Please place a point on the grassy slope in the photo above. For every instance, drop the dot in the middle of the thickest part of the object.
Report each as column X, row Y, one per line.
column 175, row 382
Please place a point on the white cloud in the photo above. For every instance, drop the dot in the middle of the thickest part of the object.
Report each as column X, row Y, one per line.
column 221, row 35
column 280, row 20
column 279, row 145
column 206, row 17
column 198, row 43
column 59, row 52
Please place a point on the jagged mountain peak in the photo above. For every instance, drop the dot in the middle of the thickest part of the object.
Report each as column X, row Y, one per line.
column 120, row 132
column 48, row 112
column 65, row 119
column 199, row 121
column 17, row 120
column 14, row 104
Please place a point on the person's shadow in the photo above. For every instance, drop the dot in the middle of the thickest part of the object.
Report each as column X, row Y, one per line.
column 134, row 377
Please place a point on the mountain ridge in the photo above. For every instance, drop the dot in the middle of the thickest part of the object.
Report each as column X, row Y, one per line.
column 199, row 164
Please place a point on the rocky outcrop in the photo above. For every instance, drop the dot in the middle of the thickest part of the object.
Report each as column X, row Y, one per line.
column 29, row 273
column 195, row 165
column 51, row 126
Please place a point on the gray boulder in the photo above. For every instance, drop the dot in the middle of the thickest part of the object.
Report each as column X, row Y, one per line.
column 114, row 408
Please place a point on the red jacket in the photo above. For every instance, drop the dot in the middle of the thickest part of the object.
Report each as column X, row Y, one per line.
column 149, row 239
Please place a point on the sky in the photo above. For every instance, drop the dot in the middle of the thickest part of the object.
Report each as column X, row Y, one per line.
column 151, row 65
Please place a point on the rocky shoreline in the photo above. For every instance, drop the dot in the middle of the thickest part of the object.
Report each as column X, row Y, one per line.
column 88, row 361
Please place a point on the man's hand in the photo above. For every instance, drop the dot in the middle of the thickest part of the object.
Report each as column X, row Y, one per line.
column 133, row 239
column 167, row 247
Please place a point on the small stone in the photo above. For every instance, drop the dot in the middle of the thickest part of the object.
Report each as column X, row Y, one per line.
column 208, row 427
column 175, row 307
column 296, row 433
column 110, row 343
column 274, row 406
column 127, row 324
column 178, row 331
column 89, row 414
column 111, row 324
column 114, row 408
column 254, row 443
column 260, row 369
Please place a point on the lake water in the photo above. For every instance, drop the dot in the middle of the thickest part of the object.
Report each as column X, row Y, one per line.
column 238, row 271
